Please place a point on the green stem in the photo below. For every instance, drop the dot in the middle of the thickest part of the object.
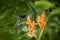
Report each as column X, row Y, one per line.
column 41, row 33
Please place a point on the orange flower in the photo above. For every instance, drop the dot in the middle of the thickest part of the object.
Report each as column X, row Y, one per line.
column 41, row 20
column 31, row 26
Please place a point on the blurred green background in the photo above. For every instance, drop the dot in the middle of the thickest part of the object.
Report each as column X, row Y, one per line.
column 13, row 15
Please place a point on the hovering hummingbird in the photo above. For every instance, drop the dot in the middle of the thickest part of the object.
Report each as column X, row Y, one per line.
column 23, row 16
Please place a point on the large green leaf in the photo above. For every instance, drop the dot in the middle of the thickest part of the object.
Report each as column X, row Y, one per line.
column 43, row 4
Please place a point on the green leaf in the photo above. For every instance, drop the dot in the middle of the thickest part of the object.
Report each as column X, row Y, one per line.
column 43, row 4
column 56, row 11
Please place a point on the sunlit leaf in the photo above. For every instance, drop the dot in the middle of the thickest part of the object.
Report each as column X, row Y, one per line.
column 43, row 4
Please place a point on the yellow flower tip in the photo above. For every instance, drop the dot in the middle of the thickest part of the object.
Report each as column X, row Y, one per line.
column 38, row 19
column 43, row 14
column 28, row 19
column 33, row 23
column 31, row 34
